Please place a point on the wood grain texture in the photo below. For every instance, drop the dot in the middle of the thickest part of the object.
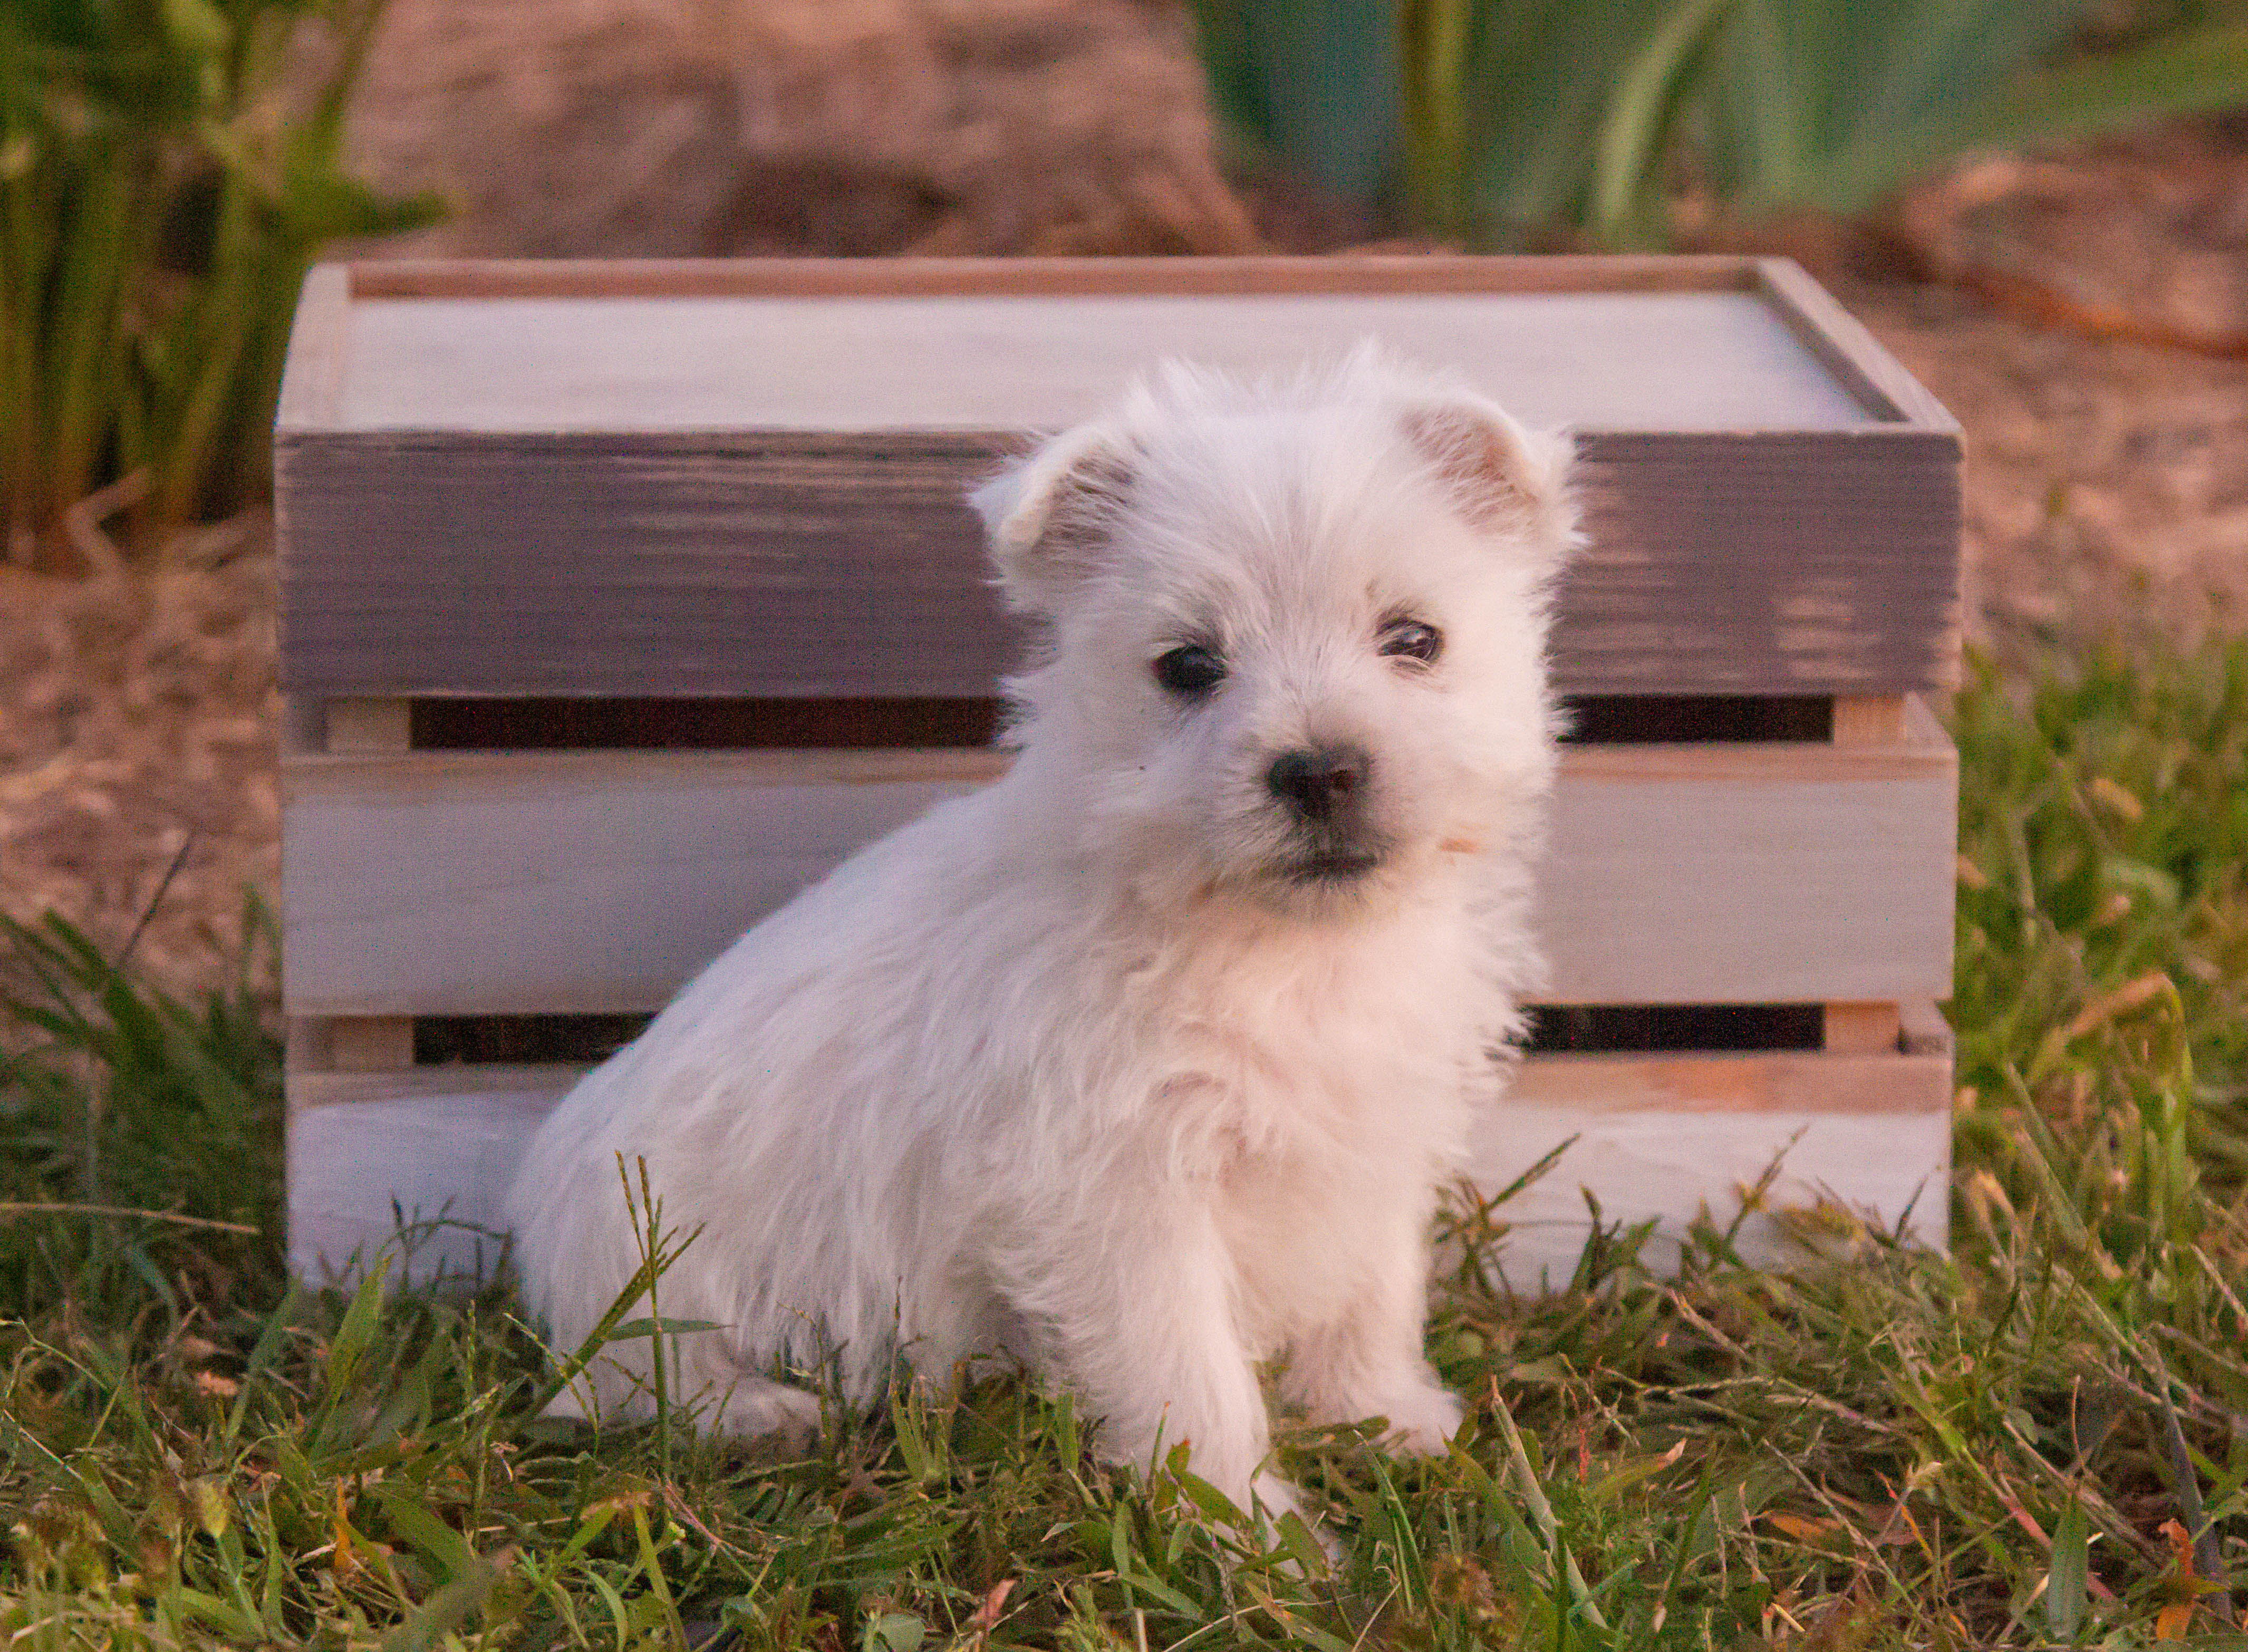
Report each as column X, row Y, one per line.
column 708, row 563
column 1845, row 345
column 1868, row 720
column 831, row 560
column 907, row 277
column 1861, row 1028
column 1706, row 361
column 442, row 1145
column 462, row 883
column 312, row 375
column 1888, row 1082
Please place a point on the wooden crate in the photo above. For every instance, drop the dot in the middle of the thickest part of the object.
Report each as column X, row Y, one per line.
column 619, row 601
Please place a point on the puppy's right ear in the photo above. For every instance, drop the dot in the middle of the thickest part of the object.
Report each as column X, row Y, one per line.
column 1050, row 516
column 1507, row 481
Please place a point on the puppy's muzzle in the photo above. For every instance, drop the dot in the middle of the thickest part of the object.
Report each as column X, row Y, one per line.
column 1324, row 789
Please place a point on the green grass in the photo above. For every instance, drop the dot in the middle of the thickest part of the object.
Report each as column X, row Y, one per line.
column 2040, row 1441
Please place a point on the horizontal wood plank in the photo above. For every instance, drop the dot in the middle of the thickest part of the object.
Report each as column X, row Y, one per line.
column 482, row 883
column 1888, row 1083
column 441, row 1146
column 758, row 540
column 1889, row 1170
column 910, row 278
column 1675, row 361
column 683, row 563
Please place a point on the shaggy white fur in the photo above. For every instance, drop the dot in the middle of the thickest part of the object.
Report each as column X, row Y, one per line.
column 1144, row 1064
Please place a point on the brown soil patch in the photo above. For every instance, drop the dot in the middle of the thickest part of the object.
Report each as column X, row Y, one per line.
column 137, row 723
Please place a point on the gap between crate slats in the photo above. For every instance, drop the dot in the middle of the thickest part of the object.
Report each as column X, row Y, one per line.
column 489, row 883
column 1657, row 1137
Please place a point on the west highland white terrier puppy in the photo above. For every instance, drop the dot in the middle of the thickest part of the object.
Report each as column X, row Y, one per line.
column 1146, row 1064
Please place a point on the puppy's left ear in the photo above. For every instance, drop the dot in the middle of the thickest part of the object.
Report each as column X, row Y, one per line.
column 1050, row 516
column 1508, row 482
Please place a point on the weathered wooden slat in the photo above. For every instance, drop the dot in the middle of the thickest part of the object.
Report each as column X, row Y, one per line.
column 906, row 277
column 1842, row 342
column 1657, row 1137
column 476, row 883
column 1706, row 361
column 1891, row 1170
column 1860, row 720
column 362, row 1043
column 704, row 509
column 670, row 563
column 318, row 343
column 440, row 1160
column 368, row 726
column 1861, row 1029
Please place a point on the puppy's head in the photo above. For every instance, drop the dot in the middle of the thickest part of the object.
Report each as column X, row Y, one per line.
column 1294, row 634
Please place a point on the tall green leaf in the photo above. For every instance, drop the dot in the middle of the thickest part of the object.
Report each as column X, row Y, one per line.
column 1521, row 115
column 156, row 220
column 1830, row 105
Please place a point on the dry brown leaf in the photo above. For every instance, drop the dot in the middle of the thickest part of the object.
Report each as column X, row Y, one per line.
column 2116, row 799
column 985, row 1617
column 1806, row 1530
column 2121, row 1001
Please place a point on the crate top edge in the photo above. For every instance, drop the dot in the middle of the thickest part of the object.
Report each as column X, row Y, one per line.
column 912, row 277
column 1849, row 384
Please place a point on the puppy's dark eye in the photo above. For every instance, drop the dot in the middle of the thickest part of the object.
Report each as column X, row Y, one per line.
column 1410, row 640
column 1189, row 671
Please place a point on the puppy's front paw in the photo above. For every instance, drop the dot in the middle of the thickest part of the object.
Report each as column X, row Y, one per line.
column 1423, row 1420
column 755, row 1408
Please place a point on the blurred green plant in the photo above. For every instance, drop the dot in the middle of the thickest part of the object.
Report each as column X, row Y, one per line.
column 1507, row 104
column 168, row 170
column 1518, row 115
column 1314, row 82
column 1828, row 106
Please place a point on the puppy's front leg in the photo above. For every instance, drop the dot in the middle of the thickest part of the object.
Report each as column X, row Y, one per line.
column 1139, row 1312
column 1367, row 1361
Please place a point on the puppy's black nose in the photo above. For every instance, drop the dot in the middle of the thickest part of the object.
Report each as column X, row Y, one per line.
column 1319, row 782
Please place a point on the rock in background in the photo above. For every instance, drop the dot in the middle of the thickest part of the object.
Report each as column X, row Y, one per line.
column 685, row 127
column 139, row 799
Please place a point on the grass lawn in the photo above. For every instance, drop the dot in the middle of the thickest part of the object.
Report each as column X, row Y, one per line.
column 2039, row 1440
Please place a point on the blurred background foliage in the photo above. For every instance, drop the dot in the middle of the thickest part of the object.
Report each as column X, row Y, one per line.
column 1485, row 121
column 168, row 169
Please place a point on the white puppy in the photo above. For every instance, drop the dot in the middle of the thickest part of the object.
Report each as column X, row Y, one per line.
column 1144, row 1064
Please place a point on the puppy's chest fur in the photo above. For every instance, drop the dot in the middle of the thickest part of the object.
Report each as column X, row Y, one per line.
column 1295, row 1079
column 1303, row 1088
column 1283, row 1065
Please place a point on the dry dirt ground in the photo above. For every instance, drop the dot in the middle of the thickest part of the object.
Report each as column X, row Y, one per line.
column 2084, row 316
